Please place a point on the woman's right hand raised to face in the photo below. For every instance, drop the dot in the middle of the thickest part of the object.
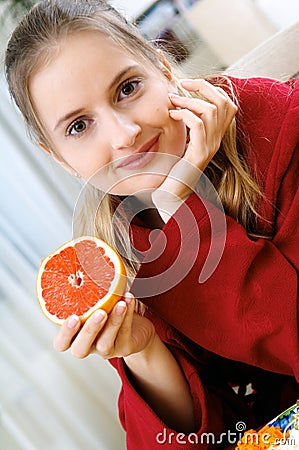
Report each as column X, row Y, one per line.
column 119, row 334
column 207, row 119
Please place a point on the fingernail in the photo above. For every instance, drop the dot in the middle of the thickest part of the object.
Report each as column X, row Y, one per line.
column 129, row 297
column 98, row 316
column 120, row 308
column 72, row 321
column 172, row 94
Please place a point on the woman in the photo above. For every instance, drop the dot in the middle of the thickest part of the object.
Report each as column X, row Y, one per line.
column 219, row 290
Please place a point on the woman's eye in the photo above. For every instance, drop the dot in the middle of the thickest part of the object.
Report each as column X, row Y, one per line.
column 78, row 127
column 128, row 88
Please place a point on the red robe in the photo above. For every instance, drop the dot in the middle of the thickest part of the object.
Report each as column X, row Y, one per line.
column 238, row 327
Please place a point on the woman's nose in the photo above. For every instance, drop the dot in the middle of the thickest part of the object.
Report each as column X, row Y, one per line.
column 123, row 132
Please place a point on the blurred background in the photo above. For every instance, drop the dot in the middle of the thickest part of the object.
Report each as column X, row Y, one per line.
column 51, row 401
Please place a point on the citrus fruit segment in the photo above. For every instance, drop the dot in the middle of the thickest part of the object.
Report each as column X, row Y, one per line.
column 79, row 277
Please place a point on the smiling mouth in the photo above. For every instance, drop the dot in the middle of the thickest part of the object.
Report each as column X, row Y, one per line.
column 142, row 157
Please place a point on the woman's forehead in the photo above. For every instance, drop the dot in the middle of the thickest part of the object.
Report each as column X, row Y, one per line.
column 90, row 50
column 103, row 41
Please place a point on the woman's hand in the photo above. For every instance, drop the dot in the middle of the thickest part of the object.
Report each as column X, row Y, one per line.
column 153, row 369
column 207, row 120
column 122, row 333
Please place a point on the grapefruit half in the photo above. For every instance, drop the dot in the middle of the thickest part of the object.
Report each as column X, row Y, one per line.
column 79, row 277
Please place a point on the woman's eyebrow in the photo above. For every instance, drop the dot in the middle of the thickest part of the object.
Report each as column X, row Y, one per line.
column 76, row 112
column 67, row 117
column 121, row 74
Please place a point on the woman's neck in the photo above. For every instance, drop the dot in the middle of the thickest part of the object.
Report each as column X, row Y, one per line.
column 143, row 208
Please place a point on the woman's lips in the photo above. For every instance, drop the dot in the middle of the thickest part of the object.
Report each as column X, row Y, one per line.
column 142, row 156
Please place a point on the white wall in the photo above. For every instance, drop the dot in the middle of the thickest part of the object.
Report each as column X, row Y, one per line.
column 131, row 8
column 281, row 12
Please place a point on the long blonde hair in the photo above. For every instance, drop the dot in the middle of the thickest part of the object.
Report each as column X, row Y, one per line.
column 32, row 44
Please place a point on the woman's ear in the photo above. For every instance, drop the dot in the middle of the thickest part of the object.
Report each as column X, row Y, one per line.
column 166, row 67
column 58, row 159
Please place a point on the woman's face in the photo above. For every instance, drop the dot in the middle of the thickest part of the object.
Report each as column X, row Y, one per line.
column 107, row 114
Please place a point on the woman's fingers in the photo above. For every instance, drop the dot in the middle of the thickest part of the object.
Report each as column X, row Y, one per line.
column 215, row 102
column 62, row 340
column 202, row 109
column 126, row 327
column 100, row 332
column 84, row 341
column 116, row 336
column 109, row 336
column 199, row 150
column 207, row 119
column 209, row 92
column 197, row 105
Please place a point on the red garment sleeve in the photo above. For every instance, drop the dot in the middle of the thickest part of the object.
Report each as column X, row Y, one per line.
column 246, row 310
column 214, row 414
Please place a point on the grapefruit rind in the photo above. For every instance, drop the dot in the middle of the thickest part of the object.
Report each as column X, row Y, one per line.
column 116, row 290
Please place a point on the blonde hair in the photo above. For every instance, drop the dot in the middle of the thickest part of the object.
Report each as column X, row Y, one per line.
column 31, row 46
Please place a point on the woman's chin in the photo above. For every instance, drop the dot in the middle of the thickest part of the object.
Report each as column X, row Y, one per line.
column 139, row 184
